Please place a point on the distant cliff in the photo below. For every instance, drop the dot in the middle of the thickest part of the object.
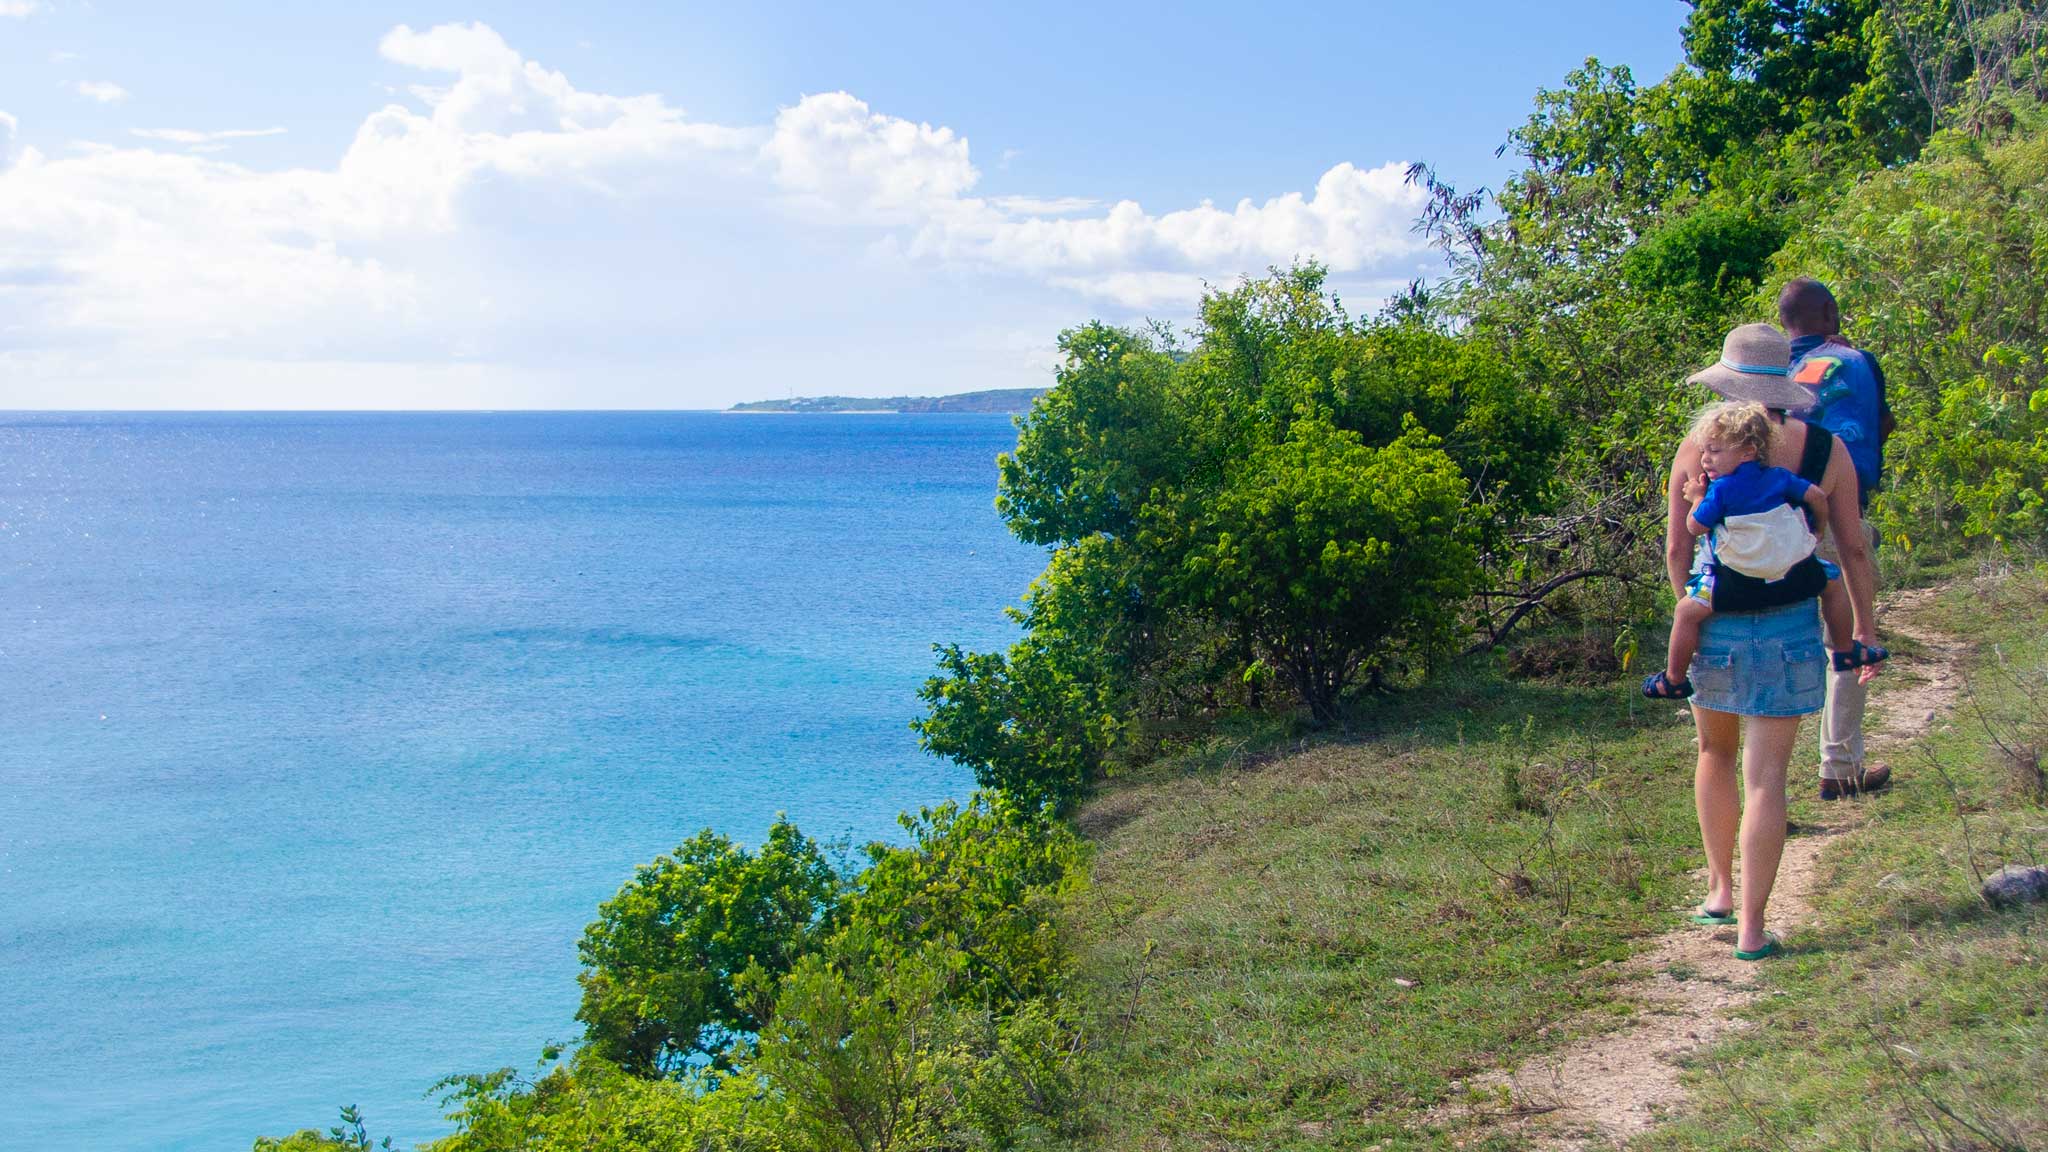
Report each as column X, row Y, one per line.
column 996, row 400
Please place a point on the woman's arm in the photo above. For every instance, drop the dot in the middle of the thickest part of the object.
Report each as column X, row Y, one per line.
column 1678, row 535
column 1845, row 520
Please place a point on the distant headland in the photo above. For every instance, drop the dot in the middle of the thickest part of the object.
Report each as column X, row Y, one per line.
column 994, row 400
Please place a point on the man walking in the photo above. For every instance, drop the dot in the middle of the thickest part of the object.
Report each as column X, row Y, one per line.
column 1850, row 387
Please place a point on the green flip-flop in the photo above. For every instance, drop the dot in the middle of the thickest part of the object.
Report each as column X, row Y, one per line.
column 1772, row 946
column 1713, row 919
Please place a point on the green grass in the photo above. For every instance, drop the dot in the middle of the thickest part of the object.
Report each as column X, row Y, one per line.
column 1498, row 845
column 1912, row 1016
column 1501, row 846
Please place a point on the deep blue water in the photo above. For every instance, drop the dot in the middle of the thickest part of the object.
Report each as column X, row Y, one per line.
column 321, row 737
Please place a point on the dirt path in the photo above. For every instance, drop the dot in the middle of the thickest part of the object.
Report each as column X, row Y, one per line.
column 1601, row 1091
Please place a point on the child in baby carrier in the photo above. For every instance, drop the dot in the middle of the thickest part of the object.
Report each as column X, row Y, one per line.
column 1758, row 522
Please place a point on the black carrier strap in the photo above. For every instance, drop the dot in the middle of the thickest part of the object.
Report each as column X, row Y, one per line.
column 1814, row 457
column 1734, row 592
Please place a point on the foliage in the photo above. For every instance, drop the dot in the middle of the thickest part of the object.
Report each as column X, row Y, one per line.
column 880, row 1056
column 1698, row 261
column 1943, row 267
column 977, row 881
column 350, row 1135
column 1810, row 67
column 589, row 1103
column 1090, row 450
column 1037, row 723
column 681, row 964
column 915, row 1005
column 1029, row 1078
column 1324, row 551
column 1226, row 511
column 857, row 1052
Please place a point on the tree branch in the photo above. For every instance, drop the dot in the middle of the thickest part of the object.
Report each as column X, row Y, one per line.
column 1531, row 600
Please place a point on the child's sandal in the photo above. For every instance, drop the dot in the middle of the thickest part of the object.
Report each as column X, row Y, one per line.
column 1860, row 655
column 1660, row 687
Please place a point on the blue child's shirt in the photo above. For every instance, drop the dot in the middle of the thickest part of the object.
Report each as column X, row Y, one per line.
column 1751, row 488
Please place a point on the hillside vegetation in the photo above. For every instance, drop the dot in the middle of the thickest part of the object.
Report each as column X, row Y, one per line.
column 1313, row 784
column 1331, row 948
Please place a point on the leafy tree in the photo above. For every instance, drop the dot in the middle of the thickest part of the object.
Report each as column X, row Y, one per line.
column 859, row 1053
column 591, row 1105
column 1038, row 722
column 349, row 1136
column 1326, row 550
column 1705, row 261
column 681, row 964
column 1503, row 436
column 1942, row 267
column 980, row 881
column 1793, row 66
column 1092, row 448
column 1141, row 445
column 912, row 1018
column 1028, row 1078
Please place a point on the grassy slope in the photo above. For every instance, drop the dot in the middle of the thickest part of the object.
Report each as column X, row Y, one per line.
column 1914, row 1013
column 1249, row 920
column 1251, row 916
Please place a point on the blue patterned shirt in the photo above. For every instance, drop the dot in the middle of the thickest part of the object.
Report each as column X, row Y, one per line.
column 1852, row 403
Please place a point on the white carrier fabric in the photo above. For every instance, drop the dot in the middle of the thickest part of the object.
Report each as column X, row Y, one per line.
column 1764, row 544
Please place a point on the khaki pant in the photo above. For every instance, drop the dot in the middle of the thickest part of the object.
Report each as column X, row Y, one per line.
column 1841, row 721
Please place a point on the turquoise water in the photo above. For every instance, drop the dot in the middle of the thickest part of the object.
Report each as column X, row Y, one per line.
column 321, row 737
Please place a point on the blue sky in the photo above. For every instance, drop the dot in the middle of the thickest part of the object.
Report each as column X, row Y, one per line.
column 672, row 206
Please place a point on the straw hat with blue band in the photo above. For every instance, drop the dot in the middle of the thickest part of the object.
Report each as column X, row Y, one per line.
column 1756, row 365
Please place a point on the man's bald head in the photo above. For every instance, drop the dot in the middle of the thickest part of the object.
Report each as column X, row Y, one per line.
column 1807, row 308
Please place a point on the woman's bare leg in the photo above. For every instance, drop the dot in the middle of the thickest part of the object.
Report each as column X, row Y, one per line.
column 1720, row 805
column 1765, row 755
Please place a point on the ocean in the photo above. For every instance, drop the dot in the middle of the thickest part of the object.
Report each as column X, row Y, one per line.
column 322, row 736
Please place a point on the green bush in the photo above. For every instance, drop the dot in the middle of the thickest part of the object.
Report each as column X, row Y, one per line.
column 591, row 1105
column 1037, row 723
column 1229, row 510
column 858, row 1053
column 348, row 1136
column 1941, row 268
column 914, row 1006
column 1325, row 552
column 681, row 965
column 980, row 881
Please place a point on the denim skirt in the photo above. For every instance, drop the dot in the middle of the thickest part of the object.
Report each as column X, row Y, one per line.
column 1764, row 663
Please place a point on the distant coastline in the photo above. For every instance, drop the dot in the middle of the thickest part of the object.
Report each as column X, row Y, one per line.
column 997, row 400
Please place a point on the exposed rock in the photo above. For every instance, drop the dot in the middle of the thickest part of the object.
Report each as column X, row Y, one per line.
column 2016, row 884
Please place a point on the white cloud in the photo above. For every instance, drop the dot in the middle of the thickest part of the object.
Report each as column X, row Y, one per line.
column 505, row 215
column 152, row 249
column 832, row 149
column 1045, row 205
column 10, row 123
column 19, row 9
column 1356, row 221
column 192, row 136
column 60, row 56
column 106, row 92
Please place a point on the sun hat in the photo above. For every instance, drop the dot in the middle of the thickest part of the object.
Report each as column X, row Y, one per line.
column 1756, row 365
